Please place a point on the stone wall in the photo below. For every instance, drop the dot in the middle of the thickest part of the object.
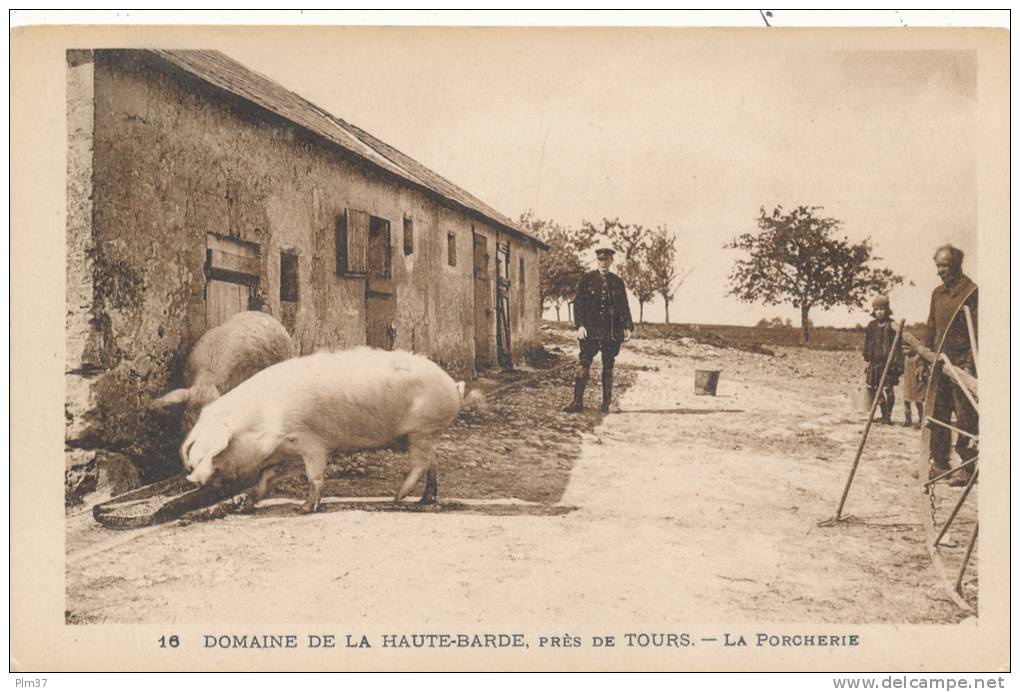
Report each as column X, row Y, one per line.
column 157, row 161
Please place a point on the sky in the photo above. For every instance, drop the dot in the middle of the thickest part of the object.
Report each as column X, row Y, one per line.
column 667, row 127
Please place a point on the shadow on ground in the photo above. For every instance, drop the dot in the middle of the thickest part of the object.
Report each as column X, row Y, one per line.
column 683, row 411
column 523, row 448
column 496, row 509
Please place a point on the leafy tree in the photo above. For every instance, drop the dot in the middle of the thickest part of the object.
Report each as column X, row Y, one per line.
column 560, row 267
column 662, row 259
column 796, row 257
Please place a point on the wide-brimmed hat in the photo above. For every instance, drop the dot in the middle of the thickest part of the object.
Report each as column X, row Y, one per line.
column 880, row 302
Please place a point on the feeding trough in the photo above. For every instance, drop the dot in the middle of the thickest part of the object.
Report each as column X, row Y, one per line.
column 159, row 502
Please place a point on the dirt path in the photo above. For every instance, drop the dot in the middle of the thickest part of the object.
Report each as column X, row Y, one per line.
column 678, row 509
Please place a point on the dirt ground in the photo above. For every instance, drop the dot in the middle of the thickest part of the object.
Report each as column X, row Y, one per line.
column 674, row 509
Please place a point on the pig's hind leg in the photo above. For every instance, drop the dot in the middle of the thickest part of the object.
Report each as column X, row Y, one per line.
column 315, row 457
column 431, row 486
column 423, row 459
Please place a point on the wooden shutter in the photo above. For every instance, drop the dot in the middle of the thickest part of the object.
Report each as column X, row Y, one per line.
column 231, row 256
column 357, row 241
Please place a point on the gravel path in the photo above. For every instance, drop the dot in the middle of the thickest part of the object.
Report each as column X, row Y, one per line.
column 677, row 509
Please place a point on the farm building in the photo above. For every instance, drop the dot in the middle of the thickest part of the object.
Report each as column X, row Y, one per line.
column 197, row 188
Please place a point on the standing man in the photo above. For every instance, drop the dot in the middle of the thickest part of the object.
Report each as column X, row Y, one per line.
column 957, row 290
column 602, row 318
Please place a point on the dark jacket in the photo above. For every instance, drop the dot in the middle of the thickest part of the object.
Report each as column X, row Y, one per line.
column 945, row 300
column 878, row 341
column 601, row 306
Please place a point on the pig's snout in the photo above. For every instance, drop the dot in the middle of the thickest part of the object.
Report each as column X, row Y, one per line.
column 202, row 474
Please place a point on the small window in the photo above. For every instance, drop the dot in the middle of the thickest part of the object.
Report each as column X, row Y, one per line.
column 408, row 236
column 379, row 255
column 341, row 245
column 288, row 277
column 522, row 271
column 451, row 249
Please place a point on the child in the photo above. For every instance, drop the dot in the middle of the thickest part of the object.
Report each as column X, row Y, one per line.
column 915, row 380
column 878, row 341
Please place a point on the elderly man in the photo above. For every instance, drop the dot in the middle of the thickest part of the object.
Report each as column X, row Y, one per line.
column 952, row 334
column 602, row 318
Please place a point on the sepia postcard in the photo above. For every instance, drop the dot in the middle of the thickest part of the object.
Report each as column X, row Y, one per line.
column 509, row 348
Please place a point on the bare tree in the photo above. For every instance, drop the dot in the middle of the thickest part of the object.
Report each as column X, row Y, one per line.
column 663, row 262
column 641, row 281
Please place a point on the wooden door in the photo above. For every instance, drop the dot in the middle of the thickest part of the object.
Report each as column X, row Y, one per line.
column 232, row 272
column 380, row 327
column 503, row 352
column 380, row 292
column 483, row 301
column 223, row 300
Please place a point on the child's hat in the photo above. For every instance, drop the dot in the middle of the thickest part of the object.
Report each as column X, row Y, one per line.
column 880, row 302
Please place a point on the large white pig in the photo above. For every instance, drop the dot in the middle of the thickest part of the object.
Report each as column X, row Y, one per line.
column 224, row 357
column 308, row 407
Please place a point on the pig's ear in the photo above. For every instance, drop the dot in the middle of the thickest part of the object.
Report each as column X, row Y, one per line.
column 185, row 453
column 213, row 439
column 177, row 396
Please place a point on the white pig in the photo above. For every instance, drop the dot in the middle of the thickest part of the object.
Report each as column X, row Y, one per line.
column 224, row 357
column 308, row 407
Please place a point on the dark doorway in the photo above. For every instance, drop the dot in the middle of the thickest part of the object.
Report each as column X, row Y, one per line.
column 483, row 301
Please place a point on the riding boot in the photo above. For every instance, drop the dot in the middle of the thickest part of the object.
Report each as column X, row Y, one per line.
column 607, row 389
column 580, row 382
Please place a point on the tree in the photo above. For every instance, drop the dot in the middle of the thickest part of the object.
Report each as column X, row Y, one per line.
column 640, row 280
column 667, row 273
column 560, row 266
column 630, row 240
column 797, row 258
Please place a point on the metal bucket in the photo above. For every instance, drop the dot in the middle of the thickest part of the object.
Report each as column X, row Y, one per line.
column 861, row 399
column 705, row 382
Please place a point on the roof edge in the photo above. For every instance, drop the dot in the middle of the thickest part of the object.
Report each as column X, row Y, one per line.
column 174, row 60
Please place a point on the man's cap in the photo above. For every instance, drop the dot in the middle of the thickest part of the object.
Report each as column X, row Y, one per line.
column 880, row 302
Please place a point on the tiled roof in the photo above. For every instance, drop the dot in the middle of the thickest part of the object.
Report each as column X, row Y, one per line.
column 225, row 73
